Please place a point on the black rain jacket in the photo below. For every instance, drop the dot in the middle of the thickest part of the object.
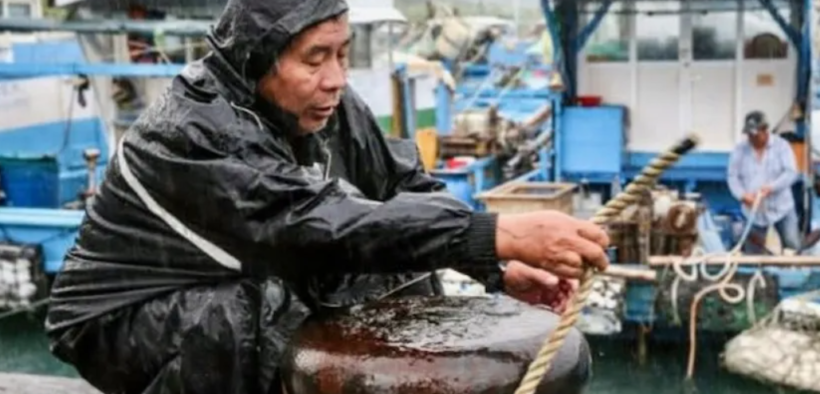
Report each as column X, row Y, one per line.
column 338, row 217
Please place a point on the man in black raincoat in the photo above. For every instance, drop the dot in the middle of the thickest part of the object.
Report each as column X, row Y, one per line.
column 258, row 190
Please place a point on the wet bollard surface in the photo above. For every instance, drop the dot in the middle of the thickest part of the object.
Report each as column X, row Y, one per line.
column 431, row 345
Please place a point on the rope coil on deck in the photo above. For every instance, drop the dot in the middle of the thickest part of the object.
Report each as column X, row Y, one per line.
column 721, row 283
column 649, row 175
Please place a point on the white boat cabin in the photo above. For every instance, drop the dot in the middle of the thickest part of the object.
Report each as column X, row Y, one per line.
column 21, row 9
column 690, row 66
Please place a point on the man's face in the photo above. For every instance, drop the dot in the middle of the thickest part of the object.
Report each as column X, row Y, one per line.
column 311, row 74
column 759, row 139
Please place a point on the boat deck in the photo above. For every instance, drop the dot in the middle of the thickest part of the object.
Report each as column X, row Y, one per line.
column 17, row 383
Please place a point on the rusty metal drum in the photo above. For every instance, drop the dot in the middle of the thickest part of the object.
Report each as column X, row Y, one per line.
column 431, row 345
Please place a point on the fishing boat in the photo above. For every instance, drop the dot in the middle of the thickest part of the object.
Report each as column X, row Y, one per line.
column 625, row 80
column 43, row 130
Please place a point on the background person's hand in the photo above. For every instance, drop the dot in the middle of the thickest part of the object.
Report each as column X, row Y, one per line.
column 552, row 241
column 538, row 287
column 748, row 199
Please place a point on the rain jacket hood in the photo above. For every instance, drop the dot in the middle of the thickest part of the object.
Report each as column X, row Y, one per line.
column 306, row 224
column 250, row 36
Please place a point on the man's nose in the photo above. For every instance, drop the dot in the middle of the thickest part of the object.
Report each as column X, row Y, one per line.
column 335, row 77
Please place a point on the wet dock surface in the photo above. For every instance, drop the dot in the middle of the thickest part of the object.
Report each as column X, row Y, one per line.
column 17, row 383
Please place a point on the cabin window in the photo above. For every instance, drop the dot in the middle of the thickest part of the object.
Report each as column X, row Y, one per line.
column 714, row 30
column 384, row 37
column 657, row 30
column 360, row 46
column 762, row 36
column 610, row 41
column 19, row 10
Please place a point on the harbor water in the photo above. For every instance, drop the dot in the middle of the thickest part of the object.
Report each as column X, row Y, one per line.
column 24, row 349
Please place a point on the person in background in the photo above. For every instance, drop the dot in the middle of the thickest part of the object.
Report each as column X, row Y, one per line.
column 765, row 164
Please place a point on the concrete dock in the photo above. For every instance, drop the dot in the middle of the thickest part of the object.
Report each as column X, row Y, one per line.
column 16, row 383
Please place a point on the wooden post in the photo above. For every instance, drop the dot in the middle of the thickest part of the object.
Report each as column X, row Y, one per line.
column 644, row 218
column 398, row 109
column 643, row 348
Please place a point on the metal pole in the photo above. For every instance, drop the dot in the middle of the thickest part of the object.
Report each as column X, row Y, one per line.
column 517, row 13
column 390, row 46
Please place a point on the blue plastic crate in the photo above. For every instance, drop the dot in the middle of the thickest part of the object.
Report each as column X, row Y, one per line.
column 640, row 303
column 30, row 183
column 592, row 142
column 55, row 230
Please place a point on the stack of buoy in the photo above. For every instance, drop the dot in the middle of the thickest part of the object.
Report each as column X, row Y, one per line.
column 604, row 307
column 607, row 294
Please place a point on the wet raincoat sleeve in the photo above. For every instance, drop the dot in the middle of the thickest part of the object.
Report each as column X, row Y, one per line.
column 408, row 175
column 259, row 206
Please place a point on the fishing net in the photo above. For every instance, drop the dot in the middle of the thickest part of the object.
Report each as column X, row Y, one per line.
column 675, row 298
column 783, row 348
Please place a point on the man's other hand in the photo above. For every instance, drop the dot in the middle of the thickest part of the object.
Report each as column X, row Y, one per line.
column 538, row 287
column 765, row 191
column 748, row 199
column 552, row 241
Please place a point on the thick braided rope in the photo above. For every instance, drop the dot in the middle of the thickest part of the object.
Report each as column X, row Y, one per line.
column 649, row 175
